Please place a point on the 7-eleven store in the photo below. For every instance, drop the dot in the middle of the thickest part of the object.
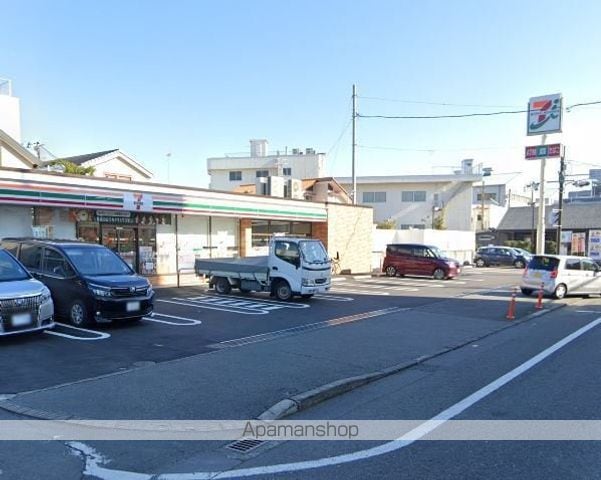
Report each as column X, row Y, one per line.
column 159, row 229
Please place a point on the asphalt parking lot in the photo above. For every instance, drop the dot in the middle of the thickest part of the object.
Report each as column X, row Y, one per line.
column 193, row 320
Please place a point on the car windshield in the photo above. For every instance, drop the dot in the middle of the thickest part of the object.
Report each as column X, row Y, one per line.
column 10, row 269
column 438, row 253
column 313, row 252
column 543, row 263
column 97, row 261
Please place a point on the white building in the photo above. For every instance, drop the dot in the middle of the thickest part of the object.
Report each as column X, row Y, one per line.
column 416, row 201
column 229, row 172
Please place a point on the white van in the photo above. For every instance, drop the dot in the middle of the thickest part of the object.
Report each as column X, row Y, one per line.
column 561, row 275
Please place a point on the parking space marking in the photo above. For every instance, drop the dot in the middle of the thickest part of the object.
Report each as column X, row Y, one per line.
column 188, row 321
column 253, row 299
column 333, row 298
column 360, row 292
column 99, row 335
column 234, row 304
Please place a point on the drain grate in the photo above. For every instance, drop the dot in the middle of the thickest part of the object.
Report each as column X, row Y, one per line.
column 244, row 445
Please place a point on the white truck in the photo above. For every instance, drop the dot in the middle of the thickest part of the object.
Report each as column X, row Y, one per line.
column 294, row 266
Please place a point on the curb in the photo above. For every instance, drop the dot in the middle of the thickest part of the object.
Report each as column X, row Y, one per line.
column 309, row 398
column 295, row 403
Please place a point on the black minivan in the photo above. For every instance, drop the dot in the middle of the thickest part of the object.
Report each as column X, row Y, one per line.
column 88, row 282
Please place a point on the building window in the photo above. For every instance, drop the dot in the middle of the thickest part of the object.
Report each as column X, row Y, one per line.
column 374, row 197
column 287, row 171
column 410, row 226
column 262, row 173
column 487, row 196
column 263, row 230
column 116, row 176
column 413, row 196
column 235, row 176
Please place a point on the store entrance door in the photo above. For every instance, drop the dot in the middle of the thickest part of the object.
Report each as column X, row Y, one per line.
column 123, row 241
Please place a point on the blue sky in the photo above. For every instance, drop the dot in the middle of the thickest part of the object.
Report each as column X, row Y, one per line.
column 200, row 78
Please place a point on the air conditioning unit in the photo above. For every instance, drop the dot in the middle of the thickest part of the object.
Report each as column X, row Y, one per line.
column 295, row 189
column 296, row 151
column 310, row 151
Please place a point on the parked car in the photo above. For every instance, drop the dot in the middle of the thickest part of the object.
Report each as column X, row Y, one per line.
column 415, row 259
column 25, row 304
column 89, row 283
column 560, row 275
column 504, row 256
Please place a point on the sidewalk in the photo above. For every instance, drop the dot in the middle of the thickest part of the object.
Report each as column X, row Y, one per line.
column 243, row 381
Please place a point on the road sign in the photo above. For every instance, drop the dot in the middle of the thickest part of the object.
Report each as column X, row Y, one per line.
column 543, row 151
column 544, row 114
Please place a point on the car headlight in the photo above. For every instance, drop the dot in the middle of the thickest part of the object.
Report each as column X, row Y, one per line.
column 307, row 282
column 99, row 291
column 46, row 296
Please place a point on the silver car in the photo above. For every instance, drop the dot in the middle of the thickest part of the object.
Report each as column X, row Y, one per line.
column 25, row 303
column 561, row 275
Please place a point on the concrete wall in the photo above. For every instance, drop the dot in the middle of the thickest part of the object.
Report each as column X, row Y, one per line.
column 459, row 245
column 350, row 235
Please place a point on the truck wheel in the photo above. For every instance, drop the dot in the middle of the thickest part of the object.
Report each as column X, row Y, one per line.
column 222, row 285
column 282, row 290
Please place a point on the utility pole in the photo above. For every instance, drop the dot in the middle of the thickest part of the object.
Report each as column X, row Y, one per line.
column 354, row 149
column 482, row 206
column 168, row 156
column 533, row 186
column 562, row 177
column 540, row 228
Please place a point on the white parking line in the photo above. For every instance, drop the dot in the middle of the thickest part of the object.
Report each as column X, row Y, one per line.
column 333, row 298
column 100, row 335
column 247, row 299
column 209, row 307
column 358, row 292
column 189, row 321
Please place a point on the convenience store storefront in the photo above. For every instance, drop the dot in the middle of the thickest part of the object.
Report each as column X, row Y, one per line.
column 157, row 229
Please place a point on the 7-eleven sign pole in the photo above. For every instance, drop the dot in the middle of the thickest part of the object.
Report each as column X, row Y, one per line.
column 544, row 117
column 540, row 228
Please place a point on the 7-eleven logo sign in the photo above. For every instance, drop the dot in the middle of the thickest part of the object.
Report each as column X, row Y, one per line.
column 137, row 202
column 544, row 114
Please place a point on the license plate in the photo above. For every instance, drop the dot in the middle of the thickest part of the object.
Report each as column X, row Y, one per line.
column 21, row 319
column 538, row 275
column 132, row 306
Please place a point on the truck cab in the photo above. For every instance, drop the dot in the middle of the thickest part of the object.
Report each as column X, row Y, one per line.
column 302, row 264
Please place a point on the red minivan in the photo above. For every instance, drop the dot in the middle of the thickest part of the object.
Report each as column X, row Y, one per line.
column 416, row 259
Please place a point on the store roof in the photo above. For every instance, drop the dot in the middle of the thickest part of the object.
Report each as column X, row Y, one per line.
column 81, row 159
column 576, row 216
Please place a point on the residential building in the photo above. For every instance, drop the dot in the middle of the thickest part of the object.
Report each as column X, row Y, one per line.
column 113, row 164
column 230, row 172
column 417, row 201
column 325, row 189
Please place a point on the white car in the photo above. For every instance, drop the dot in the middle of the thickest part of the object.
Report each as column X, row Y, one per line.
column 561, row 275
column 25, row 303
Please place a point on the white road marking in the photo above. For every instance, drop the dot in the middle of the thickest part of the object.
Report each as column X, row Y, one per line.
column 208, row 307
column 358, row 292
column 94, row 461
column 100, row 335
column 189, row 321
column 234, row 304
column 333, row 298
column 251, row 300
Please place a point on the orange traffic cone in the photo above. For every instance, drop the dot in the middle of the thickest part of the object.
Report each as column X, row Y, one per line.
column 511, row 310
column 539, row 300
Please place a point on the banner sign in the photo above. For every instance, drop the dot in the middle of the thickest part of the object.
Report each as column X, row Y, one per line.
column 543, row 151
column 594, row 244
column 544, row 114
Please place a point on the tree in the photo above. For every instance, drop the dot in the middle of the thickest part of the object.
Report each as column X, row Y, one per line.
column 386, row 225
column 73, row 168
column 438, row 221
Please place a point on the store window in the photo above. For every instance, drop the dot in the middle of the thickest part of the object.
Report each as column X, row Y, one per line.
column 263, row 230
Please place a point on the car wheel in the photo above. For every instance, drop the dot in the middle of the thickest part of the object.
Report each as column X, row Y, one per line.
column 306, row 295
column 282, row 290
column 78, row 314
column 222, row 286
column 518, row 264
column 480, row 263
column 560, row 291
column 527, row 291
column 390, row 271
column 439, row 274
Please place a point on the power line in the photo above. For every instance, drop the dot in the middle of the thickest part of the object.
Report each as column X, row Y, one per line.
column 443, row 104
column 433, row 149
